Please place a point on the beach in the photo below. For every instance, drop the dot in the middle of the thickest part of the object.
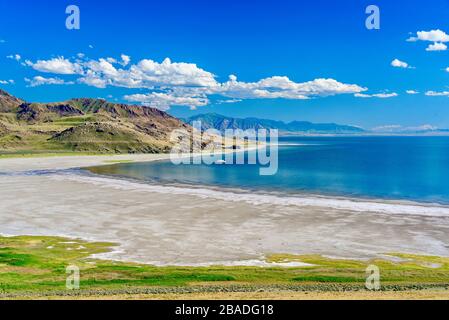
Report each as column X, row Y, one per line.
column 174, row 225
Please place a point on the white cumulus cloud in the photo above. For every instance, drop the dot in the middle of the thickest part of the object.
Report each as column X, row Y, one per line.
column 185, row 84
column 16, row 57
column 40, row 81
column 437, row 36
column 377, row 95
column 433, row 36
column 5, row 82
column 400, row 64
column 125, row 60
column 164, row 101
column 437, row 46
column 282, row 87
column 437, row 94
column 171, row 73
column 58, row 65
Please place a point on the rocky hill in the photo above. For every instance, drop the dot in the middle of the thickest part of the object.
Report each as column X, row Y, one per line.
column 83, row 125
column 8, row 103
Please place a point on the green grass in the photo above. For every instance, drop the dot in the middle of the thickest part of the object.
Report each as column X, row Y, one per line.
column 22, row 139
column 38, row 264
column 74, row 121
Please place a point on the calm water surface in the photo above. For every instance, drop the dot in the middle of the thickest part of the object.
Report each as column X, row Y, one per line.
column 403, row 168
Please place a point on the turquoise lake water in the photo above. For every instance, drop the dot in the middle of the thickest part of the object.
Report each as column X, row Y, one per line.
column 402, row 168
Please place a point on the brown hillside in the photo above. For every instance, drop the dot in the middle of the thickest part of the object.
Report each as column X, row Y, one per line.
column 8, row 103
column 84, row 125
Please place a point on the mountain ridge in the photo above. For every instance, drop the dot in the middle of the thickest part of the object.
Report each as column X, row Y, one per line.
column 8, row 102
column 84, row 125
column 221, row 123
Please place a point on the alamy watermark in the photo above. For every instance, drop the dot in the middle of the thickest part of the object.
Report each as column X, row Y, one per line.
column 73, row 21
column 73, row 278
column 372, row 22
column 373, row 278
column 228, row 147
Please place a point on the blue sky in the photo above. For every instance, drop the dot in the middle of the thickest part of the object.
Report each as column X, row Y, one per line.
column 288, row 60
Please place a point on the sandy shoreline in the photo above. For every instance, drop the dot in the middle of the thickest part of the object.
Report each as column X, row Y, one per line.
column 163, row 226
column 9, row 165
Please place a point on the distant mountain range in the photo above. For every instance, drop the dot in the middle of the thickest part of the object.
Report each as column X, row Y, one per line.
column 419, row 130
column 219, row 122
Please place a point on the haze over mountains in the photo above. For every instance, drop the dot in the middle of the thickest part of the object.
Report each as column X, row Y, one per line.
column 398, row 129
column 219, row 122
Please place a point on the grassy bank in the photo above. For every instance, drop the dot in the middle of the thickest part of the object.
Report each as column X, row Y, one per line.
column 36, row 266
